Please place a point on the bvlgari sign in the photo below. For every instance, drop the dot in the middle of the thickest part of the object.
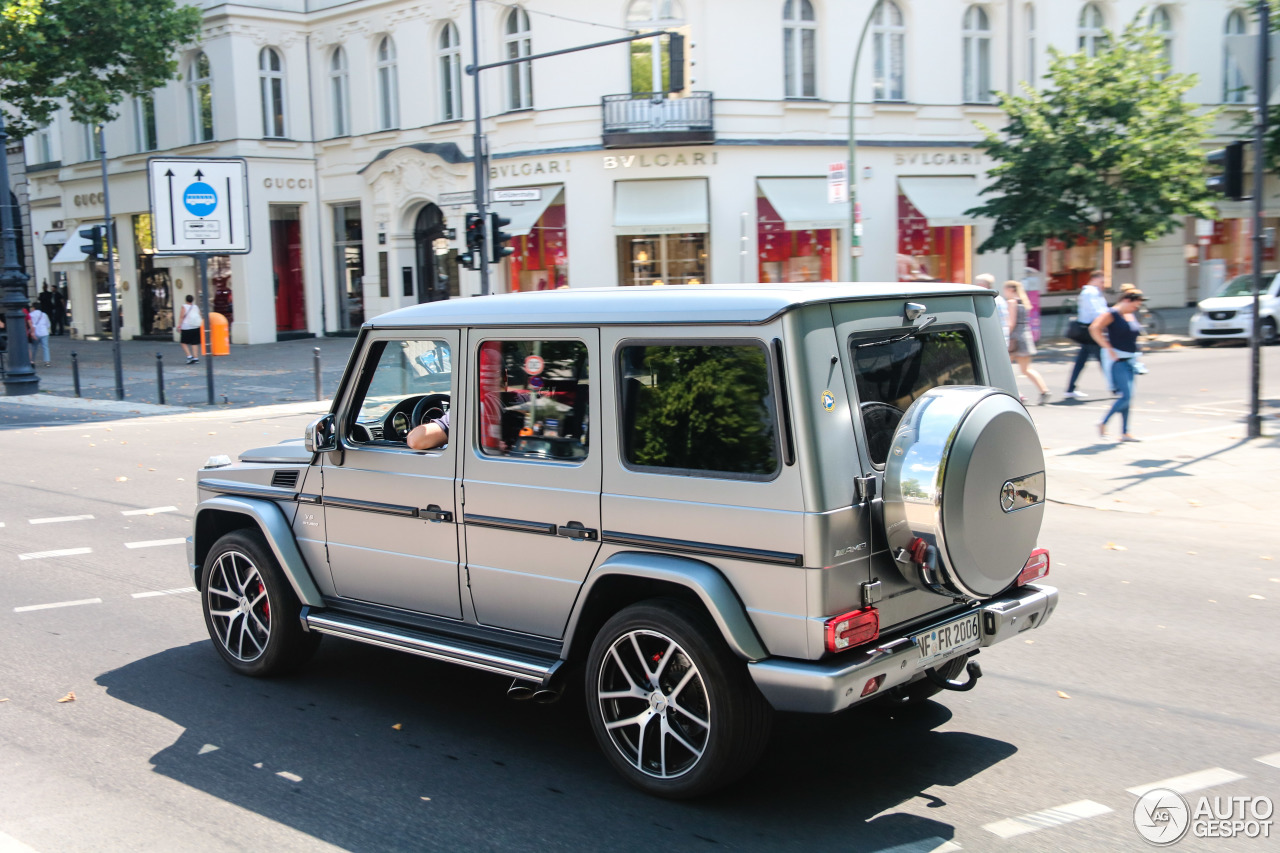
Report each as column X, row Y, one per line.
column 951, row 158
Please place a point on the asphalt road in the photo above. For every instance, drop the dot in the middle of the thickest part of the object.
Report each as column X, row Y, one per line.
column 1159, row 664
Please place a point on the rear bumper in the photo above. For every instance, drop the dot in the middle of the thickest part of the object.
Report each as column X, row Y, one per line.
column 827, row 686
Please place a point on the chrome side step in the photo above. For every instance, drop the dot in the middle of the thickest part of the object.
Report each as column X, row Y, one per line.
column 520, row 665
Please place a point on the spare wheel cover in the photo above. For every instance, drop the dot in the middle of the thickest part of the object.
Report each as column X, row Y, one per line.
column 966, row 476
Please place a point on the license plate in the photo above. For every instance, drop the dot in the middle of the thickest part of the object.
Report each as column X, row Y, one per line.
column 946, row 640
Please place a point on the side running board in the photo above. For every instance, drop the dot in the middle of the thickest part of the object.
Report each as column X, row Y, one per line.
column 520, row 665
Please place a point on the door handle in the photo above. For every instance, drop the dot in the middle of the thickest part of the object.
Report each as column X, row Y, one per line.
column 435, row 513
column 575, row 530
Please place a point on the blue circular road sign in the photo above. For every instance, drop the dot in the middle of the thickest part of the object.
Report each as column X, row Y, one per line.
column 200, row 199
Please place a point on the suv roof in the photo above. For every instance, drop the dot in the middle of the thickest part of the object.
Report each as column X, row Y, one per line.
column 698, row 305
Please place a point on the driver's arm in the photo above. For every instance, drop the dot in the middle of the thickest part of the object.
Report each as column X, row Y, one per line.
column 426, row 436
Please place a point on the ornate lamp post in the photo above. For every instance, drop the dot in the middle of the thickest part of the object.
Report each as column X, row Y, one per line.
column 19, row 376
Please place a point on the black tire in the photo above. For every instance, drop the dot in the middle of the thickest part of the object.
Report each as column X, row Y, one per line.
column 1270, row 334
column 250, row 610
column 918, row 692
column 713, row 723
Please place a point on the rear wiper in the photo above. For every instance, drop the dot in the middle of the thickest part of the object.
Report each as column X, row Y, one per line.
column 910, row 333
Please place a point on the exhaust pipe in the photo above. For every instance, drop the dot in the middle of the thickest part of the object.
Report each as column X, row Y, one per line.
column 546, row 697
column 521, row 690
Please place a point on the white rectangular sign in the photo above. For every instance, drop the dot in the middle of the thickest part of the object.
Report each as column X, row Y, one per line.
column 534, row 194
column 199, row 205
column 837, row 183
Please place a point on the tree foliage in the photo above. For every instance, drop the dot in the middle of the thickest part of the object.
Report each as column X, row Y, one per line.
column 1109, row 146
column 89, row 53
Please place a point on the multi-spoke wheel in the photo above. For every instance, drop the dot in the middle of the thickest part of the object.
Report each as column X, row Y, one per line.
column 671, row 706
column 249, row 608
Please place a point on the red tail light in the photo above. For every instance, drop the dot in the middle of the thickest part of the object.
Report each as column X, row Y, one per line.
column 1037, row 566
column 852, row 629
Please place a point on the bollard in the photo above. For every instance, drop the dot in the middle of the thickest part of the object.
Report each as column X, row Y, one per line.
column 75, row 372
column 316, row 360
column 160, row 377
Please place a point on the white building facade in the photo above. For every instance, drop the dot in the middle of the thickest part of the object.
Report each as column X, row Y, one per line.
column 355, row 119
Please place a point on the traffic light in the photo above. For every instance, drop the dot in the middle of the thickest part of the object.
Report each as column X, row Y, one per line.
column 675, row 48
column 1226, row 171
column 473, row 257
column 96, row 235
column 499, row 238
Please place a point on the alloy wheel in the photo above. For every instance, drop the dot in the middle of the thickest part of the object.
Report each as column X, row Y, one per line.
column 239, row 609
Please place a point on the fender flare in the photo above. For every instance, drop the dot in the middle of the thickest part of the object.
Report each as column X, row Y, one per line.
column 271, row 522
column 702, row 579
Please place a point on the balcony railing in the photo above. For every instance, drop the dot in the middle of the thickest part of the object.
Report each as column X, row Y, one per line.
column 648, row 118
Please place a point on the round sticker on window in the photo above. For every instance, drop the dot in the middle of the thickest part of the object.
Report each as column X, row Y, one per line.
column 828, row 400
column 533, row 365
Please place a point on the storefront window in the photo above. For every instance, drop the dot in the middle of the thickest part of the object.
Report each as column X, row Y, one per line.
column 1231, row 247
column 155, row 290
column 541, row 258
column 1070, row 266
column 787, row 255
column 928, row 253
column 348, row 246
column 286, row 266
column 662, row 259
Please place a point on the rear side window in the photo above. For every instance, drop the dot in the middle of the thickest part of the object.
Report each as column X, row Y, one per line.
column 533, row 399
column 703, row 409
column 891, row 374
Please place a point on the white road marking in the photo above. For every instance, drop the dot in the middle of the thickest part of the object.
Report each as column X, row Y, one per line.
column 1, row 524
column 9, row 844
column 61, row 518
column 154, row 593
column 207, row 748
column 152, row 511
column 924, row 845
column 292, row 777
column 57, row 604
column 1014, row 826
column 1272, row 760
column 1190, row 782
column 152, row 543
column 65, row 552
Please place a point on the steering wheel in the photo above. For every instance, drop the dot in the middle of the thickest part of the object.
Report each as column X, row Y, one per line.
column 429, row 408
column 881, row 419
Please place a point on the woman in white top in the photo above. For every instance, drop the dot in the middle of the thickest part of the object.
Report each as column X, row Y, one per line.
column 189, row 325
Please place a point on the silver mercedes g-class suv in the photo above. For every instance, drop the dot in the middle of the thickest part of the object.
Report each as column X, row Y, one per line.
column 712, row 502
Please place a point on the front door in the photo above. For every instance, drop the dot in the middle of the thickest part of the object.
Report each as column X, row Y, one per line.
column 433, row 281
column 531, row 474
column 389, row 511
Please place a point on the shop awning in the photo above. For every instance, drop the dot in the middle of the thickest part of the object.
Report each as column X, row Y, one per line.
column 943, row 200
column 660, row 207
column 525, row 214
column 72, row 251
column 802, row 203
column 54, row 238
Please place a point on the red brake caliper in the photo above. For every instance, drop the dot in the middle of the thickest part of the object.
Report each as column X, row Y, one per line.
column 266, row 605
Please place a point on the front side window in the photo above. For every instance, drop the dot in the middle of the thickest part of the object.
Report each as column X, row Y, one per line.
column 702, row 409
column 517, row 44
column 340, row 92
column 388, row 86
column 977, row 56
column 406, row 382
column 1093, row 38
column 891, row 374
column 888, row 39
column 533, row 401
column 450, row 73
column 799, row 36
column 200, row 98
column 271, row 80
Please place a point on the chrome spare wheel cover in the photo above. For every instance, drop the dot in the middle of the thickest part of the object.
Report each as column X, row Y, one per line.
column 654, row 704
column 964, row 491
column 238, row 606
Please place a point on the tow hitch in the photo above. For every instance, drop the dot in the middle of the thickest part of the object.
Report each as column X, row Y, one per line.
column 973, row 670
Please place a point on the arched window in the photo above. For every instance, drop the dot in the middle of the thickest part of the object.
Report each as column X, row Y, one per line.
column 340, row 92
column 388, row 86
column 888, row 40
column 144, row 122
column 450, row 48
column 271, row 84
column 200, row 98
column 1233, row 86
column 1093, row 38
column 799, row 49
column 518, row 44
column 977, row 56
column 1162, row 23
column 1031, row 43
column 650, row 71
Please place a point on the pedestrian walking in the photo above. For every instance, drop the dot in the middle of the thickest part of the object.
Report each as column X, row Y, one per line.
column 1092, row 304
column 1116, row 334
column 38, row 334
column 1021, row 345
column 59, row 315
column 189, row 329
column 46, row 300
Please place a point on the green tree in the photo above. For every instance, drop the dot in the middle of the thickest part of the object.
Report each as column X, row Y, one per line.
column 90, row 54
column 1109, row 146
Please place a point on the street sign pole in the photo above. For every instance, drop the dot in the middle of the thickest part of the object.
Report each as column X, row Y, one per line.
column 1259, row 166
column 202, row 260
column 107, row 243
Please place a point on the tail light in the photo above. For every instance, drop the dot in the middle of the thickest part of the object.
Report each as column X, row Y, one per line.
column 852, row 629
column 1036, row 567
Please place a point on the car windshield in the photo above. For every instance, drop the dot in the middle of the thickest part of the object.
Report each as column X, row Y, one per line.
column 1241, row 285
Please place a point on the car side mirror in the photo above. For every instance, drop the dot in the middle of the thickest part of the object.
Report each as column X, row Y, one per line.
column 321, row 435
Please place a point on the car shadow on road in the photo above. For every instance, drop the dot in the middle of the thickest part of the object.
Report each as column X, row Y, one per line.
column 373, row 750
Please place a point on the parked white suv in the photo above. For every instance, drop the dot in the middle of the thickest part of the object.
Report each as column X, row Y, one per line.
column 1228, row 314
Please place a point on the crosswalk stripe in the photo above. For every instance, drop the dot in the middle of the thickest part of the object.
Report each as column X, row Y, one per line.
column 61, row 518
column 65, row 552
column 152, row 543
column 1190, row 782
column 1272, row 760
column 1014, row 826
column 30, row 607
column 151, row 511
column 9, row 844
